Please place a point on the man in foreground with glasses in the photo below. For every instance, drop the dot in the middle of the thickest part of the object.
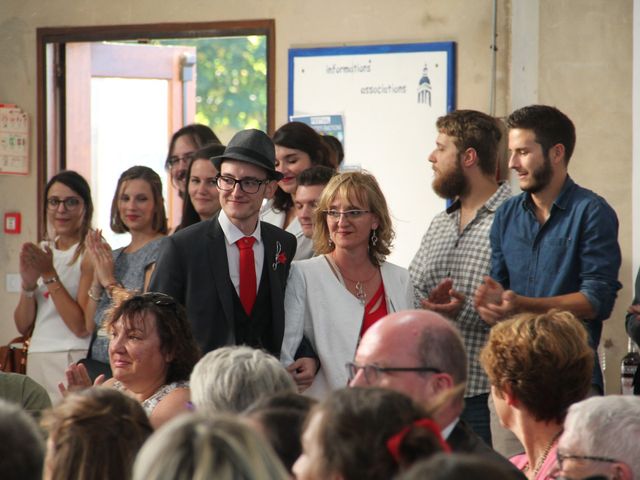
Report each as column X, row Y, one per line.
column 230, row 272
column 600, row 439
column 421, row 354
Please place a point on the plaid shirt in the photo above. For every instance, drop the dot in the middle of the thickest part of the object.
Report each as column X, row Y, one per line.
column 464, row 257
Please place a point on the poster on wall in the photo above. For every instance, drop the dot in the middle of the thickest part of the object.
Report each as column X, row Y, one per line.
column 14, row 140
column 389, row 97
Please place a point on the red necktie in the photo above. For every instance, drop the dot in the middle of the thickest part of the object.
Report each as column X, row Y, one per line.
column 247, row 273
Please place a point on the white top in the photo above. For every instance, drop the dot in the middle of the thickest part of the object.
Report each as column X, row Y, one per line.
column 304, row 249
column 320, row 307
column 50, row 333
column 232, row 234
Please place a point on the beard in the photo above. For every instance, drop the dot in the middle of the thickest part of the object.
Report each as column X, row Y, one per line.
column 452, row 184
column 540, row 176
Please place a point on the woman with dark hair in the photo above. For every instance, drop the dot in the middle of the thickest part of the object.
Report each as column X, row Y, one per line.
column 201, row 201
column 55, row 278
column 182, row 148
column 371, row 433
column 333, row 298
column 538, row 366
column 137, row 208
column 95, row 433
column 152, row 352
column 298, row 147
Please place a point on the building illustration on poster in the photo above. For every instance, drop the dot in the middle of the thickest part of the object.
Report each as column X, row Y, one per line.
column 389, row 97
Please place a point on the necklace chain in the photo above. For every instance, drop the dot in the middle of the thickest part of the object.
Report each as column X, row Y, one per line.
column 359, row 285
column 542, row 458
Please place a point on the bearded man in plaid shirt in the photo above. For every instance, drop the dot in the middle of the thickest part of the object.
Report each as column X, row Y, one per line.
column 455, row 252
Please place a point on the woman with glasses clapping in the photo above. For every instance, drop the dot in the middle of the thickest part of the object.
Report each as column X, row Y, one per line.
column 333, row 298
column 55, row 277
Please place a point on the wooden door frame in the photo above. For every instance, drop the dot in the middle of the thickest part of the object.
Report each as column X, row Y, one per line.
column 61, row 35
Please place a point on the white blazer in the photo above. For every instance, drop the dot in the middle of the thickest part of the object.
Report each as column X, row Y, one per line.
column 318, row 306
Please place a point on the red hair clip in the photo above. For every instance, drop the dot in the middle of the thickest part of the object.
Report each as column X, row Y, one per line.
column 393, row 444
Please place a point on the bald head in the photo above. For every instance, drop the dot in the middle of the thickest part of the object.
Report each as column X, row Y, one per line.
column 413, row 338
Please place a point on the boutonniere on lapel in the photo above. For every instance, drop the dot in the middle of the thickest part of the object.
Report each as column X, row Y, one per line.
column 280, row 257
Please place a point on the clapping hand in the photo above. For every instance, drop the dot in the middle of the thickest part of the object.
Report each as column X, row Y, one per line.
column 101, row 257
column 493, row 302
column 444, row 299
column 78, row 379
column 35, row 262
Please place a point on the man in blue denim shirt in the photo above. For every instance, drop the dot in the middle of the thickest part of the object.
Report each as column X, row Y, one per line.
column 556, row 244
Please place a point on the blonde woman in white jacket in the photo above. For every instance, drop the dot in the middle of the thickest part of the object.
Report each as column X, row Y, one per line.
column 333, row 298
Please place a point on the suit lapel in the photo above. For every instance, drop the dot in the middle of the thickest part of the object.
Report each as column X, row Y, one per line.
column 217, row 250
column 271, row 246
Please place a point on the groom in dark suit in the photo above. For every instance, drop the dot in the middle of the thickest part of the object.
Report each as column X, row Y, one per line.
column 230, row 272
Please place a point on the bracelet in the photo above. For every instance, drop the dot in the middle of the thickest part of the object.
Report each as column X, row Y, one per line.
column 29, row 293
column 48, row 281
column 92, row 296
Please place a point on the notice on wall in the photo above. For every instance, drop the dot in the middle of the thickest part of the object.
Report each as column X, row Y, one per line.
column 14, row 140
column 389, row 97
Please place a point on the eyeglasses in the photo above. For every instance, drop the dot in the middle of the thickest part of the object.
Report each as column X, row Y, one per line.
column 373, row 372
column 561, row 457
column 187, row 158
column 70, row 203
column 349, row 214
column 247, row 185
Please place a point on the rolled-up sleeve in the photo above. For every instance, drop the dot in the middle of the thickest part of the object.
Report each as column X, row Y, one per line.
column 600, row 258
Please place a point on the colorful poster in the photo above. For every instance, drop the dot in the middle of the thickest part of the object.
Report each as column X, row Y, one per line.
column 14, row 140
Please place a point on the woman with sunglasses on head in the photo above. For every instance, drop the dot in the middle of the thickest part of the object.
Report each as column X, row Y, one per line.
column 151, row 351
column 201, row 201
column 182, row 147
column 333, row 298
column 55, row 278
column 298, row 147
column 138, row 209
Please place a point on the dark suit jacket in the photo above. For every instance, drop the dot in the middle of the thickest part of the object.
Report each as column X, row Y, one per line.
column 464, row 440
column 192, row 267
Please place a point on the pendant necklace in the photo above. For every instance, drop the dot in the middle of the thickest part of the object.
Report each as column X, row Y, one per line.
column 359, row 285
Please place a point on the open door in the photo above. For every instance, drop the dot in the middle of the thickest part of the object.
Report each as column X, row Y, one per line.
column 135, row 96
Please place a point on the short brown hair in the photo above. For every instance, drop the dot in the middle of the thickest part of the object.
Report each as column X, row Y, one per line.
column 364, row 187
column 138, row 172
column 473, row 129
column 172, row 325
column 544, row 359
column 356, row 425
column 95, row 433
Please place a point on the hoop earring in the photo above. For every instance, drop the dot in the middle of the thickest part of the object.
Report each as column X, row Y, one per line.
column 374, row 238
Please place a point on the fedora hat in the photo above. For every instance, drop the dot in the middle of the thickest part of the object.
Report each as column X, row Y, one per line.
column 251, row 146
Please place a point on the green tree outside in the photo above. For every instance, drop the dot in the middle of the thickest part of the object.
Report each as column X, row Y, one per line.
column 231, row 89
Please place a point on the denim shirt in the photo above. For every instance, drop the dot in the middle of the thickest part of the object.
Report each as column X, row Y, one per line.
column 575, row 250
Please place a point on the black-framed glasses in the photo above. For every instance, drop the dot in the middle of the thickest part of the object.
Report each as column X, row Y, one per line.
column 561, row 457
column 349, row 214
column 175, row 159
column 373, row 372
column 247, row 185
column 70, row 203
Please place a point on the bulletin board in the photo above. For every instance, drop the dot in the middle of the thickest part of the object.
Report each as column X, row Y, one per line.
column 389, row 98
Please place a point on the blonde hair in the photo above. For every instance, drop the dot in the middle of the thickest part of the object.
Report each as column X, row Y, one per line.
column 363, row 187
column 544, row 359
column 199, row 447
